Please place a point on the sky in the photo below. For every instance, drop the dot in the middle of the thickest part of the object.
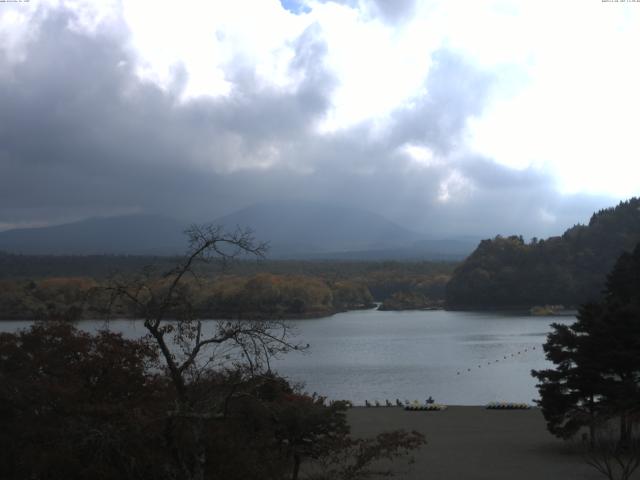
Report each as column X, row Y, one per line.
column 451, row 118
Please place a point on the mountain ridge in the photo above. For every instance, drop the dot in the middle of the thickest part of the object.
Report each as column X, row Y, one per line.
column 304, row 230
column 145, row 234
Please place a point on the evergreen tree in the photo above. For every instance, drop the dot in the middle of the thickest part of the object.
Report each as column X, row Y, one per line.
column 597, row 359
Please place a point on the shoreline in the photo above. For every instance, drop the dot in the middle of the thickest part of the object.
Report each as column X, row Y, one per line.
column 316, row 315
column 476, row 443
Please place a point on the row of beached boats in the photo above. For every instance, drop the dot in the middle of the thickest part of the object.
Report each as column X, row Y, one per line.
column 430, row 405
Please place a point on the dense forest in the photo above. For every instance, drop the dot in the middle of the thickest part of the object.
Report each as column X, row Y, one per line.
column 571, row 269
column 77, row 287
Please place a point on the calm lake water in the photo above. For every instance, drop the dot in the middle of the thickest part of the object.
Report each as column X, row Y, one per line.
column 458, row 358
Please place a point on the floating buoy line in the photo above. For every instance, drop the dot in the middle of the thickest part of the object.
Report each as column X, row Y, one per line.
column 429, row 405
column 504, row 357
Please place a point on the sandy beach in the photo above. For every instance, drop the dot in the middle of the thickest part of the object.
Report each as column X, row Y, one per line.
column 476, row 443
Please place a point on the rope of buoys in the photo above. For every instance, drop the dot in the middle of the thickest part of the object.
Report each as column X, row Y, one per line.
column 504, row 357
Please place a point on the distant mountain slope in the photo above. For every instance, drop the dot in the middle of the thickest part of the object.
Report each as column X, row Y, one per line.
column 568, row 270
column 130, row 234
column 295, row 229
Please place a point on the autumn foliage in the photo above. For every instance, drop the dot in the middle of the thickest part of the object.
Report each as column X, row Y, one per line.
column 75, row 405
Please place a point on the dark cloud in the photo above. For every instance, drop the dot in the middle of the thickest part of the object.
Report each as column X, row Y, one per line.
column 455, row 91
column 80, row 129
column 81, row 135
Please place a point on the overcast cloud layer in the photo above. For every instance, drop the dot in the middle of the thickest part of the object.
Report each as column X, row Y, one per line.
column 95, row 121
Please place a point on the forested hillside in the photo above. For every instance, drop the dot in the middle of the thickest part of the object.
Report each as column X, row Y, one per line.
column 73, row 287
column 507, row 272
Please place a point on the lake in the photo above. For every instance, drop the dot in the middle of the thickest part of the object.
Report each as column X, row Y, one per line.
column 458, row 358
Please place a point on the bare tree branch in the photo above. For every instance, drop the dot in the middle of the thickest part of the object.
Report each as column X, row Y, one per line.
column 155, row 300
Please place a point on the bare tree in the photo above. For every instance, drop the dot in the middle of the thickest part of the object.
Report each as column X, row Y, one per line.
column 190, row 347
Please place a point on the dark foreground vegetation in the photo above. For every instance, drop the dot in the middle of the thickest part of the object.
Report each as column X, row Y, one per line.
column 189, row 401
column 77, row 406
column 507, row 272
column 595, row 385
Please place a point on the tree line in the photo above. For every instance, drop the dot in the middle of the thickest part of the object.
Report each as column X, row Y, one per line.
column 229, row 296
column 508, row 272
column 242, row 290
